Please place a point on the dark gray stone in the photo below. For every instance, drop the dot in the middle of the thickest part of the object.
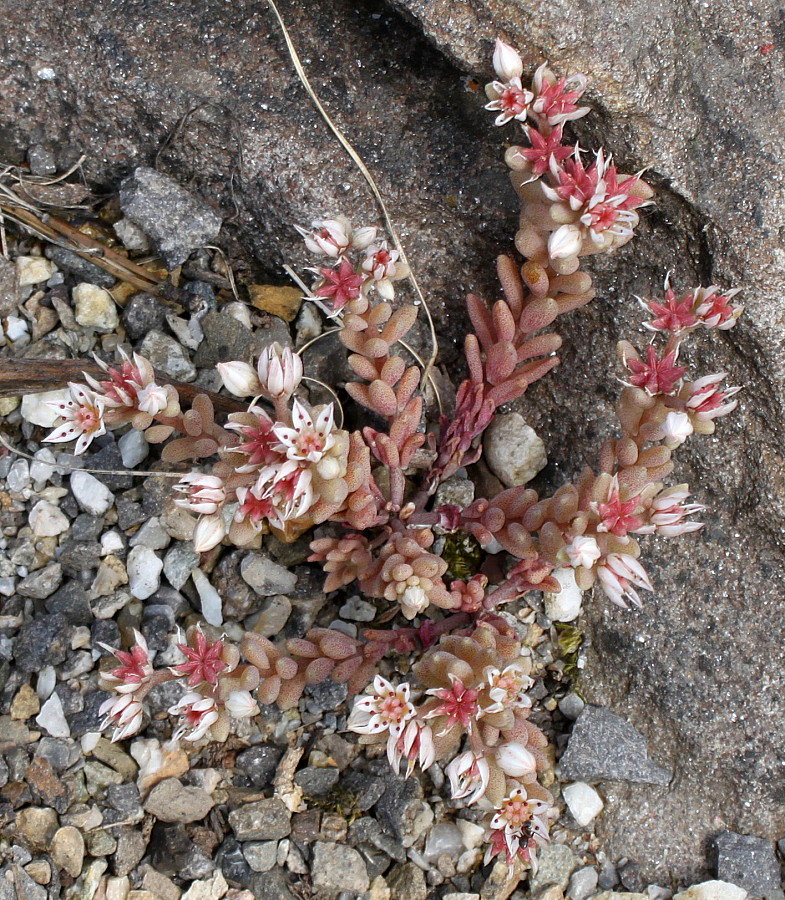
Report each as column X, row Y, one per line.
column 79, row 556
column 70, row 601
column 82, row 268
column 41, row 160
column 58, row 752
column 224, row 338
column 316, row 782
column 603, row 747
column 324, row 696
column 89, row 719
column 231, row 862
column 259, row 763
column 399, row 806
column 173, row 853
column 174, row 219
column 271, row 885
column 41, row 642
column 131, row 847
column 85, row 528
column 261, row 820
column 142, row 313
column 631, row 878
column 749, row 862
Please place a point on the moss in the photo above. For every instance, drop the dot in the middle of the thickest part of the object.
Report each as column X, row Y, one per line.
column 463, row 555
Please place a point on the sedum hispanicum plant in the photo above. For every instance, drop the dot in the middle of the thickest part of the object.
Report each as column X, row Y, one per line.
column 284, row 465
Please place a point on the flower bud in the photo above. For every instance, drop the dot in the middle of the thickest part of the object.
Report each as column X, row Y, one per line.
column 205, row 494
column 239, row 379
column 280, row 371
column 209, row 533
column 152, row 399
column 506, row 62
column 565, row 242
column 515, row 760
column 675, row 429
column 241, row 705
column 364, row 237
column 583, row 551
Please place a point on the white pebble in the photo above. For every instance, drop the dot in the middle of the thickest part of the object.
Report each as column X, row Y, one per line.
column 46, row 74
column 513, row 450
column 47, row 679
column 52, row 718
column 583, row 801
column 18, row 477
column 47, row 520
column 566, row 605
column 15, row 328
column 712, row 890
column 133, row 448
column 94, row 307
column 472, row 834
column 44, row 466
column 92, row 495
column 33, row 270
column 111, row 542
column 89, row 741
column 144, row 572
column 212, row 605
column 36, row 411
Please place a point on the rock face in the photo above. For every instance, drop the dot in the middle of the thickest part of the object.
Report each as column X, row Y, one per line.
column 693, row 90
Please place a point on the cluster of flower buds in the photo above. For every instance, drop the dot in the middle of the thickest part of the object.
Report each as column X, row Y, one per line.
column 347, row 284
column 472, row 686
column 129, row 394
column 219, row 688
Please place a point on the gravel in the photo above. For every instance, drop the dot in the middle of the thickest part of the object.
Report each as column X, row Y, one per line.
column 172, row 801
column 749, row 862
column 262, row 820
column 92, row 495
column 266, row 577
column 337, row 867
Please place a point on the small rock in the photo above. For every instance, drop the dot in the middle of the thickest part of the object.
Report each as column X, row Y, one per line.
column 25, row 703
column 38, row 824
column 118, row 888
column 42, row 642
column 749, row 862
column 337, row 867
column 261, row 855
column 179, row 563
column 131, row 847
column 266, row 577
column 620, row 895
column 133, row 448
column 159, row 885
column 151, row 535
column 143, row 313
column 32, row 270
column 35, row 408
column 513, row 450
column 630, row 876
column 406, row 881
column 583, row 801
column 42, row 583
column 67, row 850
column 605, row 747
column 357, row 610
column 262, row 820
column 571, row 705
column 457, row 490
column 443, row 838
column 131, row 235
column 167, row 356
column 172, row 801
column 259, row 763
column 315, row 781
column 94, row 307
column 401, row 810
column 709, row 890
column 273, row 615
column 93, row 496
column 26, row 888
column 41, row 160
column 52, row 718
column 583, row 882
column 284, row 302
column 144, row 572
column 84, row 269
column 224, row 338
column 40, row 871
column 566, row 605
column 212, row 605
column 47, row 520
column 174, row 219
column 556, row 863
column 212, row 889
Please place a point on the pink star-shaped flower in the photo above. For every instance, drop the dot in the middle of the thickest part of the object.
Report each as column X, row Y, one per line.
column 459, row 704
column 655, row 376
column 340, row 285
column 543, row 148
column 203, row 660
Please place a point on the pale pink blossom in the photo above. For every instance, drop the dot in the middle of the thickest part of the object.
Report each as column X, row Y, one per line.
column 280, row 371
column 308, row 439
column 413, row 600
column 239, row 378
column 204, row 494
column 714, row 309
column 414, row 744
column 468, row 774
column 288, row 489
column 506, row 61
column 197, row 713
column 509, row 99
column 124, row 713
column 515, row 760
column 707, row 401
column 386, row 708
column 507, row 689
column 583, row 551
column 383, row 267
column 258, row 440
column 330, row 237
column 669, row 512
column 518, row 827
column 555, row 98
column 619, row 575
column 458, row 704
column 83, row 417
column 152, row 399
